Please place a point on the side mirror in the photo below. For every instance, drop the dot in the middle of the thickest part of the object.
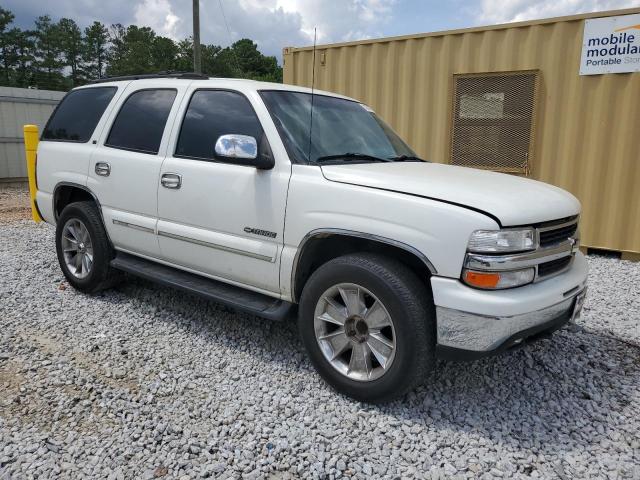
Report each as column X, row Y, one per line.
column 237, row 146
column 245, row 147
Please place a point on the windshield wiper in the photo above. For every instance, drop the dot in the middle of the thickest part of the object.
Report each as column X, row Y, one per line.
column 351, row 157
column 406, row 158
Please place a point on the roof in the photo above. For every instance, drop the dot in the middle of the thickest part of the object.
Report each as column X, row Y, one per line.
column 240, row 84
column 502, row 26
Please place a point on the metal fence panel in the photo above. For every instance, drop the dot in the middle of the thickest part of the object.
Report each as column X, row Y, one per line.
column 493, row 118
column 19, row 106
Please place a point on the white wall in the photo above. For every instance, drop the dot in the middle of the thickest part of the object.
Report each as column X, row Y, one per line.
column 19, row 106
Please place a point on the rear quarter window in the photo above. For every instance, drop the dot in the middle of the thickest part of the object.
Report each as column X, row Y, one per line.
column 77, row 115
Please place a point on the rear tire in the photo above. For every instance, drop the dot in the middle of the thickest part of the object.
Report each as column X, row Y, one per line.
column 372, row 307
column 83, row 248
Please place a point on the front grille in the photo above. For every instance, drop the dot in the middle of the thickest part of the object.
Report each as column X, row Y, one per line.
column 554, row 266
column 564, row 230
column 559, row 235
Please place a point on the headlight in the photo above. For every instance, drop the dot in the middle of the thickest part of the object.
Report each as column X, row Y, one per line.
column 498, row 280
column 502, row 241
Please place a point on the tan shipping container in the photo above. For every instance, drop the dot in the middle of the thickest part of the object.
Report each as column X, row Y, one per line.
column 584, row 130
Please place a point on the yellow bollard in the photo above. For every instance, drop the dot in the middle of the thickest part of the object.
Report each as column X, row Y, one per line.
column 31, row 147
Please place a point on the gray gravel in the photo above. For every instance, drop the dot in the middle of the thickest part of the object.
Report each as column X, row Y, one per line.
column 146, row 382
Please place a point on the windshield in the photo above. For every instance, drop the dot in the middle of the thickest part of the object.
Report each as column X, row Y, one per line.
column 340, row 127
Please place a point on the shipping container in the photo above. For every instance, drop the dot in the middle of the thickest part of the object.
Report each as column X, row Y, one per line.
column 516, row 98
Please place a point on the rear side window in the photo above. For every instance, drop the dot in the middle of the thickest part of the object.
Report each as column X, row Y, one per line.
column 212, row 113
column 77, row 115
column 140, row 122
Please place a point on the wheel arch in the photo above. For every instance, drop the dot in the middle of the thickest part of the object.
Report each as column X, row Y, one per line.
column 65, row 193
column 322, row 245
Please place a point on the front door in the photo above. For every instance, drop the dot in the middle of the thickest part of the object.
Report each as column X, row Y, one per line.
column 215, row 216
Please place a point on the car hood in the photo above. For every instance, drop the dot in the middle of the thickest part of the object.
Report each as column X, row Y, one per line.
column 512, row 200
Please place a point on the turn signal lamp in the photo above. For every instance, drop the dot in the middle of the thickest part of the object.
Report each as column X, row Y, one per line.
column 498, row 280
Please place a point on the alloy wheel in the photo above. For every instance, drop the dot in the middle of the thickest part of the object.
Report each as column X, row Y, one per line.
column 77, row 248
column 355, row 332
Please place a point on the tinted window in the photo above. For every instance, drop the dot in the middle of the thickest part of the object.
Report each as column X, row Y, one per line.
column 141, row 120
column 212, row 113
column 76, row 117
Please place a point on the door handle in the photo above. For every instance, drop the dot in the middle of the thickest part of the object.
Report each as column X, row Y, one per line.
column 103, row 169
column 171, row 180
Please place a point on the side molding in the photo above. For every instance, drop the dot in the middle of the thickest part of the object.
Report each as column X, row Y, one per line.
column 132, row 225
column 216, row 246
column 326, row 232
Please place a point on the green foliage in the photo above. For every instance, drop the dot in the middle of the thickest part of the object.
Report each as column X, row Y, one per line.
column 132, row 50
column 254, row 64
column 7, row 44
column 95, row 49
column 59, row 55
column 48, row 61
column 71, row 47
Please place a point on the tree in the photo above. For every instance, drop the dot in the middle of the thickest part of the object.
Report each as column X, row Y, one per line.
column 71, row 46
column 248, row 56
column 25, row 50
column 59, row 55
column 219, row 62
column 254, row 64
column 271, row 72
column 184, row 55
column 117, row 52
column 164, row 53
column 48, row 62
column 132, row 50
column 6, row 42
column 95, row 49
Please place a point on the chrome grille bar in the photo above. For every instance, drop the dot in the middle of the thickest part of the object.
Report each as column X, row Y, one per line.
column 500, row 263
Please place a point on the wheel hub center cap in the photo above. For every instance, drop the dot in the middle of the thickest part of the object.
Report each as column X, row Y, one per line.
column 356, row 329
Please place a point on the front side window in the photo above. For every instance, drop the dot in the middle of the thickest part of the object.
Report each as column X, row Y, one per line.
column 141, row 120
column 211, row 114
column 338, row 127
column 77, row 115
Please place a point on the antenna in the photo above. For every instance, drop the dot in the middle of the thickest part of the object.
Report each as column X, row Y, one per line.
column 235, row 57
column 313, row 83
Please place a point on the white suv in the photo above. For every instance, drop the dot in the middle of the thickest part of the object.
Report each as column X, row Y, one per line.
column 272, row 200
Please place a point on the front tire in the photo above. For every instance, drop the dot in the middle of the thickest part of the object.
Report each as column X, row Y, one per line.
column 368, row 324
column 83, row 248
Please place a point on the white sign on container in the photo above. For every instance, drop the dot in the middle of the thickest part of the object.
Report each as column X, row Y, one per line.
column 611, row 45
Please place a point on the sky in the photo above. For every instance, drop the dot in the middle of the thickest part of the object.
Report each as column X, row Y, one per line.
column 275, row 24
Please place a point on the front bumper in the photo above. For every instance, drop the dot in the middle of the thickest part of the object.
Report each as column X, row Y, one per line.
column 475, row 323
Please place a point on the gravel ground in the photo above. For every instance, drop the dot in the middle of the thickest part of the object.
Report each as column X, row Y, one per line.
column 14, row 204
column 146, row 382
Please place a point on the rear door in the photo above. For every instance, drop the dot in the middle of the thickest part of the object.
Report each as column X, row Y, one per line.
column 125, row 168
column 69, row 139
column 225, row 218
